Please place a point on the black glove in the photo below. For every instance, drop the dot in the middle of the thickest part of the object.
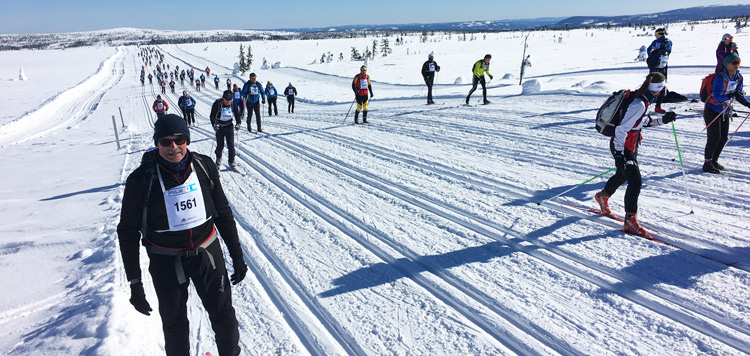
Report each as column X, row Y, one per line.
column 669, row 117
column 491, row 77
column 216, row 128
column 629, row 157
column 138, row 298
column 371, row 94
column 240, row 270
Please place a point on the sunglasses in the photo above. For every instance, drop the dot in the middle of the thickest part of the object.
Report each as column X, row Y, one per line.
column 167, row 142
column 735, row 62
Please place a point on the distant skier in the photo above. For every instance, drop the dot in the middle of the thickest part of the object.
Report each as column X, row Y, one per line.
column 203, row 80
column 658, row 57
column 160, row 106
column 253, row 91
column 187, row 104
column 208, row 72
column 429, row 70
column 624, row 147
column 361, row 86
column 216, row 81
column 174, row 206
column 480, row 67
column 222, row 112
column 150, row 78
column 171, row 85
column 290, row 93
column 726, row 46
column 726, row 87
column 197, row 85
column 237, row 100
column 163, row 87
column 272, row 95
column 229, row 84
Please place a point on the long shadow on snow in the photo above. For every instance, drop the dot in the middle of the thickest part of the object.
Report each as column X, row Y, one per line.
column 383, row 273
column 87, row 191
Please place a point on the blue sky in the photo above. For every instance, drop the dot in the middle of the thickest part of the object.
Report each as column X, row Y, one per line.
column 49, row 16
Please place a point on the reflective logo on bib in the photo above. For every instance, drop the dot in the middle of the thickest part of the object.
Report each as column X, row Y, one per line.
column 184, row 203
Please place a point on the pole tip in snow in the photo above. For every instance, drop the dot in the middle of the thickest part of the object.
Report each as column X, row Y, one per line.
column 538, row 203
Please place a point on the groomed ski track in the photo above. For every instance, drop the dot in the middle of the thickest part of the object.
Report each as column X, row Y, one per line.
column 481, row 269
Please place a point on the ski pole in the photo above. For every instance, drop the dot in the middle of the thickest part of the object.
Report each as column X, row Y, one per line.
column 590, row 179
column 738, row 127
column 717, row 116
column 350, row 110
column 684, row 176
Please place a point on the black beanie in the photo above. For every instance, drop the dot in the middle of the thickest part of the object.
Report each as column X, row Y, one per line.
column 170, row 125
column 227, row 95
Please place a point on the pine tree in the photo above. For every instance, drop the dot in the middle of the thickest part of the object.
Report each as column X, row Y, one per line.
column 355, row 53
column 384, row 48
column 341, row 56
column 243, row 61
column 368, row 54
column 374, row 48
column 323, row 58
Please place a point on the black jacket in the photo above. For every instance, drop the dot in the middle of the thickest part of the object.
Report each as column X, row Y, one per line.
column 134, row 199
column 426, row 70
column 216, row 111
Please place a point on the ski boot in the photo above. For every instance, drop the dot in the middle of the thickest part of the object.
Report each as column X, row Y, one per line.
column 603, row 199
column 632, row 226
column 716, row 165
column 659, row 110
column 218, row 162
column 709, row 167
column 364, row 117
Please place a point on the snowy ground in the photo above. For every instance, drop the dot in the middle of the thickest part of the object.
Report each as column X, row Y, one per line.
column 417, row 234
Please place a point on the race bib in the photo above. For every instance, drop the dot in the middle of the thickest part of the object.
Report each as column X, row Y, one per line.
column 731, row 86
column 160, row 106
column 431, row 67
column 486, row 67
column 363, row 84
column 184, row 203
column 663, row 61
column 254, row 90
column 290, row 92
column 237, row 95
column 226, row 114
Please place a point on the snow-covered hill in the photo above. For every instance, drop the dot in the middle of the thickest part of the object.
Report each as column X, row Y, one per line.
column 417, row 234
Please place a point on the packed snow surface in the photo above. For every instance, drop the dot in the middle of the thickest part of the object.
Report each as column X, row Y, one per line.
column 418, row 234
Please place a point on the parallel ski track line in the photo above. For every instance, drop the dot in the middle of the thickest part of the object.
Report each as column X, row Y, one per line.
column 296, row 323
column 491, row 230
column 78, row 110
column 496, row 186
column 504, row 186
column 491, row 329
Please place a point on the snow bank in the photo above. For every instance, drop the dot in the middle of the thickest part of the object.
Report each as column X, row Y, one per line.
column 531, row 87
column 508, row 76
column 22, row 75
column 458, row 80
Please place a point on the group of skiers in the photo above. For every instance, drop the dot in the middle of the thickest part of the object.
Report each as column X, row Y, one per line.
column 722, row 89
column 176, row 199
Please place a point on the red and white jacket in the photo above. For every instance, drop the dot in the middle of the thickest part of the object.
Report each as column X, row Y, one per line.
column 628, row 133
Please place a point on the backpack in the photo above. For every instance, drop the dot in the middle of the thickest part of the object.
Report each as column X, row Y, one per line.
column 610, row 114
column 707, row 84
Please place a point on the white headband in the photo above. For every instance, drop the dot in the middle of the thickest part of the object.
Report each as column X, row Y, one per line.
column 656, row 86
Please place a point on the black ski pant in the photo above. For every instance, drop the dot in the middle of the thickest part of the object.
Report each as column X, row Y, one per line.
column 428, row 80
column 253, row 108
column 362, row 101
column 213, row 288
column 290, row 103
column 225, row 132
column 184, row 116
column 717, row 132
column 190, row 116
column 474, row 81
column 626, row 173
column 660, row 98
column 272, row 102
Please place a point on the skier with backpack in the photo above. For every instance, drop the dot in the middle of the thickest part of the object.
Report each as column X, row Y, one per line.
column 174, row 205
column 622, row 117
column 726, row 46
column 719, row 91
column 480, row 67
column 429, row 70
column 361, row 86
column 222, row 112
column 657, row 61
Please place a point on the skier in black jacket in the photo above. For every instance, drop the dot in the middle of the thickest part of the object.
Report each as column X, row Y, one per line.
column 178, row 194
column 222, row 112
column 429, row 68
